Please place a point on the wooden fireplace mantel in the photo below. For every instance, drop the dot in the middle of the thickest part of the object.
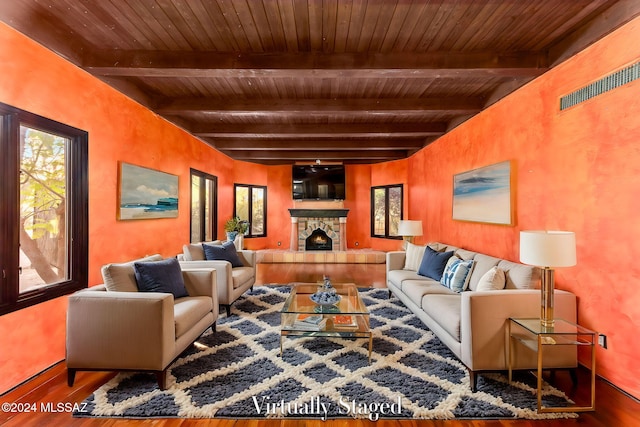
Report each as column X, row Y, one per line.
column 318, row 213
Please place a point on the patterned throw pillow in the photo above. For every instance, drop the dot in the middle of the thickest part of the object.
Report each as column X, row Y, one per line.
column 457, row 274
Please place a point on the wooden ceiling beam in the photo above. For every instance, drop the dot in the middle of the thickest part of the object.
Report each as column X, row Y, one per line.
column 314, row 65
column 270, row 106
column 241, row 144
column 311, row 155
column 43, row 26
column 594, row 29
column 310, row 130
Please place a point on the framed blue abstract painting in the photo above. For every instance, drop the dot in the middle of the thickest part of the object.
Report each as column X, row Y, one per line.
column 484, row 195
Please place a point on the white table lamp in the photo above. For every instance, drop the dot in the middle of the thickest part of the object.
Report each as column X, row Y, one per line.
column 547, row 250
column 408, row 229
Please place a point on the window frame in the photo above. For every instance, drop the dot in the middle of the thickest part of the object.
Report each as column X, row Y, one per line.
column 251, row 187
column 11, row 118
column 213, row 205
column 386, row 189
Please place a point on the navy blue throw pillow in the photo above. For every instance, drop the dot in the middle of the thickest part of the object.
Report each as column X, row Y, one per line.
column 225, row 252
column 433, row 263
column 160, row 276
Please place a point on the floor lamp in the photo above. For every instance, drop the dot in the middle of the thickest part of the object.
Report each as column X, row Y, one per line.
column 547, row 250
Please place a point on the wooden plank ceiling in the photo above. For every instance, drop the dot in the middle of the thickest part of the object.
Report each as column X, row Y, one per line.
column 284, row 81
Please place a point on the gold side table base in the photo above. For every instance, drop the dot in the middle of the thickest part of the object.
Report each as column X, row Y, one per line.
column 536, row 337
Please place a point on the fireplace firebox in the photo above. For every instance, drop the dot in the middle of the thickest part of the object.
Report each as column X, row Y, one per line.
column 318, row 241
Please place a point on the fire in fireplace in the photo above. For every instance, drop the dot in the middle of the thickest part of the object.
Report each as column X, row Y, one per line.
column 318, row 241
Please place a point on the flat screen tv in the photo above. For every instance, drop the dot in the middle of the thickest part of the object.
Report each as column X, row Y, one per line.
column 318, row 182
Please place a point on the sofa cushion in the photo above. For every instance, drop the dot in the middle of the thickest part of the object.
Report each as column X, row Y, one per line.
column 457, row 273
column 416, row 289
column 433, row 263
column 121, row 277
column 160, row 276
column 397, row 277
column 520, row 276
column 413, row 256
column 465, row 254
column 437, row 246
column 224, row 252
column 492, row 280
column 189, row 311
column 483, row 263
column 445, row 310
column 240, row 275
column 195, row 252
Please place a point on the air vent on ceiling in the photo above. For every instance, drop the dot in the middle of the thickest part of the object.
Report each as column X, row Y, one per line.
column 603, row 85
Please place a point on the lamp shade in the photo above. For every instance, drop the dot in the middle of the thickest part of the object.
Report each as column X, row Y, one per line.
column 548, row 248
column 409, row 228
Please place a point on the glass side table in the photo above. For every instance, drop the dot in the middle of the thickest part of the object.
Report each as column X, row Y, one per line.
column 530, row 333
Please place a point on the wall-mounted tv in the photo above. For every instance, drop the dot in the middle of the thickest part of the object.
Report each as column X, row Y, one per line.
column 318, row 182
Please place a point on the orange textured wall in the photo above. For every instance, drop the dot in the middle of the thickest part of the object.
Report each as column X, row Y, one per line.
column 574, row 170
column 119, row 130
column 357, row 196
column 280, row 200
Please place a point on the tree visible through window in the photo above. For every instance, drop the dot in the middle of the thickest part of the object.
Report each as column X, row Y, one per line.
column 43, row 209
column 251, row 206
column 386, row 211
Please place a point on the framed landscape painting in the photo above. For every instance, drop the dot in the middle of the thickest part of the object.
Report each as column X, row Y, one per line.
column 484, row 195
column 146, row 193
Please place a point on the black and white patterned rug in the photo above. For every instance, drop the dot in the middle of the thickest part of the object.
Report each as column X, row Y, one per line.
column 238, row 373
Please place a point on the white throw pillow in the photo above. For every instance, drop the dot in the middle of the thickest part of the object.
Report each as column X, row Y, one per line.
column 492, row 280
column 413, row 257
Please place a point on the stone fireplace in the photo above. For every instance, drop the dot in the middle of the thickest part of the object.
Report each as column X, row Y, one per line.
column 318, row 229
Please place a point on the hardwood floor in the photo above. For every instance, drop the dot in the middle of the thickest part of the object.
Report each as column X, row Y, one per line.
column 613, row 408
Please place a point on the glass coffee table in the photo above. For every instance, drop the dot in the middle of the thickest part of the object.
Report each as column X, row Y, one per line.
column 348, row 318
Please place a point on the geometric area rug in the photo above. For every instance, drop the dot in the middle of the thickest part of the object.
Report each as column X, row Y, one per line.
column 237, row 373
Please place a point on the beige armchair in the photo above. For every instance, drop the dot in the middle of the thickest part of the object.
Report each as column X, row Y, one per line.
column 232, row 282
column 114, row 327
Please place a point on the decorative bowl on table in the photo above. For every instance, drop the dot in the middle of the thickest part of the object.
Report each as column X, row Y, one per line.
column 325, row 298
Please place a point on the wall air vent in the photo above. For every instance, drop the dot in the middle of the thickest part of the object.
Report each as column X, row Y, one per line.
column 603, row 85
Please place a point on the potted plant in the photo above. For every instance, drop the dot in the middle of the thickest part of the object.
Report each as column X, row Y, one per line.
column 235, row 226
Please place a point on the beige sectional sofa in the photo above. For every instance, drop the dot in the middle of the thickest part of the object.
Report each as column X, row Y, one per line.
column 472, row 323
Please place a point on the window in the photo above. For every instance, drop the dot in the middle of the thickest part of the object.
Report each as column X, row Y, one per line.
column 386, row 211
column 251, row 205
column 204, row 207
column 43, row 209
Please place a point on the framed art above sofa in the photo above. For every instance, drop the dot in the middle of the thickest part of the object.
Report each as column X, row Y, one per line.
column 484, row 195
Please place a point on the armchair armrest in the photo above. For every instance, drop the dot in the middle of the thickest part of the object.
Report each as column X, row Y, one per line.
column 201, row 282
column 483, row 325
column 395, row 260
column 224, row 279
column 127, row 330
column 248, row 257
